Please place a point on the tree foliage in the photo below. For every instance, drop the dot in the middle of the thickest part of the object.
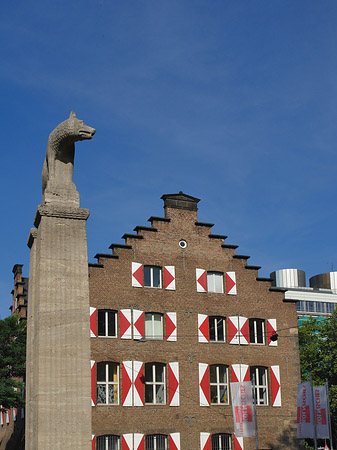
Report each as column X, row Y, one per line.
column 318, row 354
column 12, row 362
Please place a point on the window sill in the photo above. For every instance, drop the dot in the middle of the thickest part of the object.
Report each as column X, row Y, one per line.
column 107, row 337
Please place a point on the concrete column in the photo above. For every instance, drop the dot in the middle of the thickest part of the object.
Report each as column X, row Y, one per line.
column 58, row 348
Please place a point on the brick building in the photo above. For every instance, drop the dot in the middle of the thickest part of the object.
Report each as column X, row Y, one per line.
column 176, row 316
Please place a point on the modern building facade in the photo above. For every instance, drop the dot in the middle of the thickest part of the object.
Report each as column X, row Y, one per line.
column 176, row 316
column 318, row 300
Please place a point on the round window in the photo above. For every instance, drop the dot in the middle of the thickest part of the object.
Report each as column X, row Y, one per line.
column 182, row 243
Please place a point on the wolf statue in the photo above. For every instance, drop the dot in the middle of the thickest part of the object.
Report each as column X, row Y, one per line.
column 59, row 163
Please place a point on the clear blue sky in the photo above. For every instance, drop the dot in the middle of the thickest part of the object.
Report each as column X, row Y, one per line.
column 234, row 102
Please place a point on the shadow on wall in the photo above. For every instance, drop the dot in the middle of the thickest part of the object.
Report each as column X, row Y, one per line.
column 16, row 440
column 288, row 440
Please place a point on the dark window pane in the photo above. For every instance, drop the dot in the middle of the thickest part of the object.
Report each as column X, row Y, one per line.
column 101, row 371
column 147, row 276
column 148, row 372
column 260, row 331
column 220, row 330
column 101, row 323
column 212, row 328
column 156, row 276
column 251, row 332
column 148, row 394
column 212, row 374
column 159, row 373
column 112, row 323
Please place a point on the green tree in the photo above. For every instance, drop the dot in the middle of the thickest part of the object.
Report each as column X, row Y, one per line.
column 318, row 354
column 12, row 362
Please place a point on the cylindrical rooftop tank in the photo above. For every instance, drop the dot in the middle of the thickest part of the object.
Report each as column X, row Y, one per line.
column 326, row 280
column 288, row 278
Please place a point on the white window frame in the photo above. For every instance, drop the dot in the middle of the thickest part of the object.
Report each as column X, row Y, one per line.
column 105, row 438
column 155, row 383
column 217, row 319
column 253, row 325
column 106, row 320
column 151, row 268
column 219, row 383
column 219, row 445
column 150, row 317
column 256, row 370
column 211, row 282
column 155, row 443
column 108, row 383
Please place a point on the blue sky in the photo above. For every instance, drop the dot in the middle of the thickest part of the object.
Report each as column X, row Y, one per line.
column 234, row 102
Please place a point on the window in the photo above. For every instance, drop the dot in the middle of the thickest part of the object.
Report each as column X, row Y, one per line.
column 107, row 442
column 216, row 328
column 156, row 442
column 261, row 387
column 221, row 441
column 218, row 381
column 107, row 323
column 155, row 384
column 153, row 326
column 107, row 383
column 256, row 331
column 215, row 282
column 152, row 276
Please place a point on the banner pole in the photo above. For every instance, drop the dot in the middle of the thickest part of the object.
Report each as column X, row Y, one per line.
column 255, row 417
column 329, row 416
column 314, row 411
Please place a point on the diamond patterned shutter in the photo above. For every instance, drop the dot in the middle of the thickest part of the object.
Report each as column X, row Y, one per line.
column 201, row 277
column 271, row 329
column 169, row 278
column 204, row 394
column 203, row 329
column 171, row 326
column 93, row 322
column 245, row 374
column 125, row 323
column 127, row 441
column 205, row 441
column 240, row 372
column 93, row 383
column 175, row 441
column 244, row 331
column 275, row 385
column 233, row 329
column 137, row 275
column 238, row 443
column 8, row 416
column 173, row 383
column 230, row 283
column 93, row 442
column 127, row 383
column 15, row 414
column 138, row 383
column 138, row 441
column 138, row 324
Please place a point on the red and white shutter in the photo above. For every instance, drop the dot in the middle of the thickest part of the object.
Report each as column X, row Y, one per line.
column 169, row 278
column 127, row 383
column 271, row 329
column 137, row 275
column 2, row 415
column 138, row 441
column 8, row 416
column 175, row 441
column 127, row 441
column 230, row 283
column 93, row 383
column 238, row 442
column 205, row 441
column 93, row 322
column 275, row 385
column 240, row 373
column 201, row 277
column 203, row 329
column 173, row 383
column 15, row 414
column 244, row 330
column 93, row 442
column 171, row 326
column 236, row 373
column 138, row 324
column 138, row 383
column 233, row 330
column 125, row 323
column 204, row 395
column 245, row 374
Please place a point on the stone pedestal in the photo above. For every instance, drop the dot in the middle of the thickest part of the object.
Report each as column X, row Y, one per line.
column 58, row 348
